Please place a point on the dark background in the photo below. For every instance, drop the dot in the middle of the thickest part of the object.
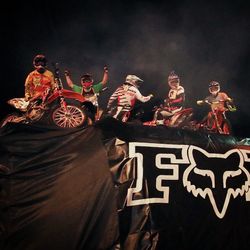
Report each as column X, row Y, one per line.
column 201, row 41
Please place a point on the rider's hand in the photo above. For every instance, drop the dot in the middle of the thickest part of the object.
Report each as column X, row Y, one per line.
column 200, row 102
column 231, row 108
column 167, row 102
column 151, row 96
column 66, row 72
column 105, row 69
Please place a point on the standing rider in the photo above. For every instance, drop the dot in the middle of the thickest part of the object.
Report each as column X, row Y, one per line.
column 126, row 96
column 39, row 79
column 88, row 89
column 38, row 84
column 174, row 101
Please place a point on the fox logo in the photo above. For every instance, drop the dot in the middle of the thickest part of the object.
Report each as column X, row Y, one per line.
column 218, row 177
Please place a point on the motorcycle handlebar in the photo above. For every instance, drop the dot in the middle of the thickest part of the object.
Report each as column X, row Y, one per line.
column 200, row 102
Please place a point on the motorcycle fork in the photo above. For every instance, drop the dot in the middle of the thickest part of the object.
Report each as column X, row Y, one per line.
column 217, row 122
column 63, row 104
column 98, row 114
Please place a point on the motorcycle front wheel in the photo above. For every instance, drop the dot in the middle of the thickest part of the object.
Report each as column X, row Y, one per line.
column 71, row 117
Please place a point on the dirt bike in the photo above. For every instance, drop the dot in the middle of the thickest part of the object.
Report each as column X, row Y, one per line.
column 59, row 108
column 63, row 108
column 216, row 120
column 179, row 119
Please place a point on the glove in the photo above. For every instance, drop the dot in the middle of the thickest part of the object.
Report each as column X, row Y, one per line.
column 167, row 102
column 231, row 108
column 66, row 72
column 105, row 69
column 200, row 102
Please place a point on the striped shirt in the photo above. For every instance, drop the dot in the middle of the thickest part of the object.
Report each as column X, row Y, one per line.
column 126, row 96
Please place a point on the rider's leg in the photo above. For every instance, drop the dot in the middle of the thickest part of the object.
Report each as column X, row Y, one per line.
column 162, row 115
column 123, row 116
column 118, row 111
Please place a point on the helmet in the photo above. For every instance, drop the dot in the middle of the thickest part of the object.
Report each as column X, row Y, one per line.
column 40, row 60
column 214, row 87
column 173, row 80
column 87, row 81
column 133, row 80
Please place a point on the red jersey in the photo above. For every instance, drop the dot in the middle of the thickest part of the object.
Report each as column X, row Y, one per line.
column 35, row 82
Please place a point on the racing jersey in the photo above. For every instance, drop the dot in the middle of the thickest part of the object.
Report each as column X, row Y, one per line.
column 218, row 101
column 35, row 82
column 176, row 98
column 126, row 96
column 90, row 95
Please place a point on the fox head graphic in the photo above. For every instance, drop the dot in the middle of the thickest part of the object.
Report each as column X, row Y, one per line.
column 218, row 177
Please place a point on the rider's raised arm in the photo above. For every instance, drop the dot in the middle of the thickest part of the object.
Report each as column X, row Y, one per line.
column 68, row 79
column 105, row 76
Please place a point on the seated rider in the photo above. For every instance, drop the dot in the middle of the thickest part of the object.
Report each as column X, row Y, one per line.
column 174, row 101
column 39, row 80
column 219, row 101
column 88, row 89
column 126, row 96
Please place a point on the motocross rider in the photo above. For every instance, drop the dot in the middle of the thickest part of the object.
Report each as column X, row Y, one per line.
column 219, row 101
column 88, row 89
column 174, row 101
column 39, row 80
column 126, row 96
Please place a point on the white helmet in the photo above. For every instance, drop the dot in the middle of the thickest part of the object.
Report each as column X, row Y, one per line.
column 133, row 80
column 214, row 87
column 173, row 80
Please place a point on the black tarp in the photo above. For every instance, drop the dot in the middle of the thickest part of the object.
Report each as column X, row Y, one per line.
column 168, row 188
column 179, row 189
column 56, row 190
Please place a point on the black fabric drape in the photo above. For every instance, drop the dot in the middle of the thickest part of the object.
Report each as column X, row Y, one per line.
column 56, row 190
column 123, row 186
column 187, row 221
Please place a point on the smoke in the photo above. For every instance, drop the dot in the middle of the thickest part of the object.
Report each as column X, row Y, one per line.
column 201, row 42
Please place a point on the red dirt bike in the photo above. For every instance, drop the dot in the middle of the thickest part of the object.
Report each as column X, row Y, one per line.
column 216, row 120
column 63, row 108
column 179, row 119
